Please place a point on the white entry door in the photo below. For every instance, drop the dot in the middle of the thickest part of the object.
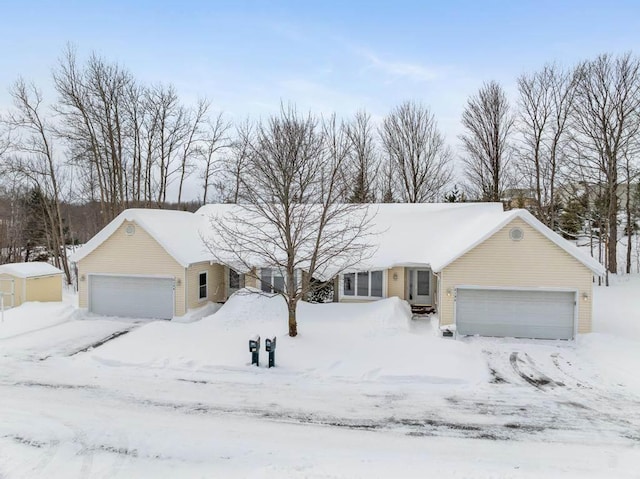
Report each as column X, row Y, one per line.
column 419, row 286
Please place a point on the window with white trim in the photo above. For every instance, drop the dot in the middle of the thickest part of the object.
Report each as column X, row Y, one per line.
column 202, row 285
column 272, row 281
column 363, row 284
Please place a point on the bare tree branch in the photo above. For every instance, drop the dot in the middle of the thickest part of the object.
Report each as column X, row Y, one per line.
column 418, row 154
column 289, row 217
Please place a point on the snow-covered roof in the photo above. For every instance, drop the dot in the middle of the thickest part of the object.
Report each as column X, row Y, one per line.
column 439, row 236
column 490, row 224
column 178, row 232
column 29, row 270
column 423, row 234
column 436, row 234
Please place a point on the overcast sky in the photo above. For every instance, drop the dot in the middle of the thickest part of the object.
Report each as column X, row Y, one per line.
column 324, row 56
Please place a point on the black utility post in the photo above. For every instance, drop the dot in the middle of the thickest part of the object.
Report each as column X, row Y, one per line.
column 270, row 346
column 254, row 349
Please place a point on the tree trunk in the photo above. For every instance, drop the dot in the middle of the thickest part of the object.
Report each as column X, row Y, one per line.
column 612, row 230
column 629, row 223
column 293, row 325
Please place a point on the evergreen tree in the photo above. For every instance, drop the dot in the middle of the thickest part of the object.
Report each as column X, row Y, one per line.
column 35, row 231
column 572, row 218
column 454, row 196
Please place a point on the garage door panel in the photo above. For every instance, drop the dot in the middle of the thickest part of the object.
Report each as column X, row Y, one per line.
column 131, row 296
column 505, row 313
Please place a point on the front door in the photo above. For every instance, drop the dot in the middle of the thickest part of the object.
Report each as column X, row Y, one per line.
column 419, row 286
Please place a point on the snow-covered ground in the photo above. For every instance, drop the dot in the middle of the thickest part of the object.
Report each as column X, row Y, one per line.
column 363, row 391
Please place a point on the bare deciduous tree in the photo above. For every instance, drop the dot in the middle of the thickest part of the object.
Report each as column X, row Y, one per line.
column 34, row 160
column 387, row 183
column 213, row 142
column 130, row 142
column 631, row 172
column 92, row 106
column 417, row 152
column 488, row 122
column 13, row 213
column 289, row 217
column 364, row 161
column 607, row 124
column 234, row 164
column 546, row 103
column 193, row 129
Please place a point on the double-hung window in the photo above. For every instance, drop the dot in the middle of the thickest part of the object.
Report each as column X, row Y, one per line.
column 271, row 281
column 363, row 284
column 202, row 285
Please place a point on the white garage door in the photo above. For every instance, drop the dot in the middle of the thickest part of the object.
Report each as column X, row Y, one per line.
column 516, row 314
column 131, row 296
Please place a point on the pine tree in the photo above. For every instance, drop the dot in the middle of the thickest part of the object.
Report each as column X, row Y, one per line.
column 35, row 230
column 454, row 196
column 571, row 219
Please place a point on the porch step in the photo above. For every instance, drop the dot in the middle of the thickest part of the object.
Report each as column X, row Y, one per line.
column 417, row 309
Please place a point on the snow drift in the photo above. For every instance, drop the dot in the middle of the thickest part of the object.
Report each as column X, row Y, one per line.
column 376, row 340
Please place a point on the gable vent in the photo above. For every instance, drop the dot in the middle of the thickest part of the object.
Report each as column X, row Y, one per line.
column 516, row 234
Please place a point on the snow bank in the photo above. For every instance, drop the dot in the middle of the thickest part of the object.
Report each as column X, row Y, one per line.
column 614, row 344
column 367, row 341
column 616, row 309
column 33, row 316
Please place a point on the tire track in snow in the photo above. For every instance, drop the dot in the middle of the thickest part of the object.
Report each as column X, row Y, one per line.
column 527, row 370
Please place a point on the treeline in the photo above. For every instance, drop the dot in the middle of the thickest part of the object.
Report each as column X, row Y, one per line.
column 566, row 148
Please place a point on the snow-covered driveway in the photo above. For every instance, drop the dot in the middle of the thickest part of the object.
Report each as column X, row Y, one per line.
column 355, row 397
column 42, row 330
column 552, row 389
column 64, row 339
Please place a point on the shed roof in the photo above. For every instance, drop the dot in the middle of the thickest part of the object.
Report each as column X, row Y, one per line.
column 29, row 270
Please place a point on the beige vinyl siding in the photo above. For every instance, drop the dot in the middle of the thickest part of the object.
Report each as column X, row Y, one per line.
column 250, row 279
column 18, row 291
column 44, row 288
column 138, row 254
column 216, row 288
column 40, row 288
column 534, row 262
column 396, row 287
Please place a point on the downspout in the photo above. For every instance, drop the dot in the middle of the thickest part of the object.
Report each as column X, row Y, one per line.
column 186, row 290
column 438, row 275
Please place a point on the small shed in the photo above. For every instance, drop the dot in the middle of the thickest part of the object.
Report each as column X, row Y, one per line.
column 34, row 281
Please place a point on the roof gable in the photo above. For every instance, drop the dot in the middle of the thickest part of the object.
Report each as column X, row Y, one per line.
column 177, row 232
column 506, row 218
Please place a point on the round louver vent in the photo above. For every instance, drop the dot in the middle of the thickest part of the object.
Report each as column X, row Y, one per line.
column 516, row 234
column 130, row 230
